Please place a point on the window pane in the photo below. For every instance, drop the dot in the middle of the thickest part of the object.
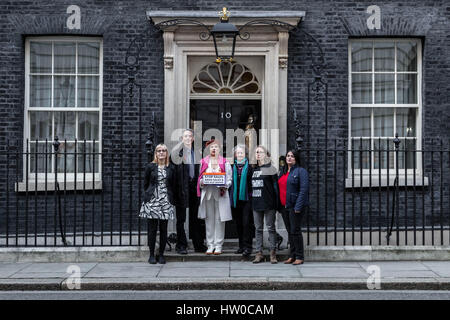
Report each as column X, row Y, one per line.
column 406, row 88
column 40, row 91
column 40, row 125
column 383, row 149
column 88, row 125
column 64, row 57
column 64, row 92
column 361, row 56
column 406, row 122
column 360, row 153
column 88, row 92
column 65, row 125
column 66, row 161
column 361, row 88
column 224, row 44
column 383, row 121
column 361, row 122
column 406, row 56
column 406, row 155
column 384, row 56
column 384, row 88
column 39, row 155
column 40, row 57
column 86, row 156
column 88, row 57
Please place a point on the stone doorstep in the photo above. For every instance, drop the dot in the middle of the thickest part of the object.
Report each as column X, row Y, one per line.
column 135, row 253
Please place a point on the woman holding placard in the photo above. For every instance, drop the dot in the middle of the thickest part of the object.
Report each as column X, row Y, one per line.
column 213, row 182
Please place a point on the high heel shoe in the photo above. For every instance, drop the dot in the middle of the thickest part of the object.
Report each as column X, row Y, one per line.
column 297, row 262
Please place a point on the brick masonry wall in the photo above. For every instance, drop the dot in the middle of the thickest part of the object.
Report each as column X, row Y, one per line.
column 118, row 22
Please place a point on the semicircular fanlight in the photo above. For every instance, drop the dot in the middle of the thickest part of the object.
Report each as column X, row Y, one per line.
column 225, row 78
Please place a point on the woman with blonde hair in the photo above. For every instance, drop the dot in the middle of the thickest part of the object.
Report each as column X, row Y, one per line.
column 157, row 205
column 265, row 202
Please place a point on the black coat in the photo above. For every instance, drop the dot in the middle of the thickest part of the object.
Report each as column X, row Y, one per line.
column 181, row 178
column 151, row 181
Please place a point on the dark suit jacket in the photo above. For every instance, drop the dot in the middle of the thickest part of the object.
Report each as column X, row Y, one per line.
column 181, row 175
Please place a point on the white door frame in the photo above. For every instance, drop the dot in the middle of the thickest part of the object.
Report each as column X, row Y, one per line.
column 271, row 43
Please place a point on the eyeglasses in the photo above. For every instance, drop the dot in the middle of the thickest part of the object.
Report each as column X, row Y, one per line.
column 161, row 150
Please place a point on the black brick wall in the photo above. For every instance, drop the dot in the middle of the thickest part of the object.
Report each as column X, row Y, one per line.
column 332, row 23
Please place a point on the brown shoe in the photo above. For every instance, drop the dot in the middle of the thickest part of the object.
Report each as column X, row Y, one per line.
column 289, row 261
column 258, row 257
column 273, row 257
column 297, row 262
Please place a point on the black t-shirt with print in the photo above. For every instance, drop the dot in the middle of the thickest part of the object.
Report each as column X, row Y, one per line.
column 265, row 188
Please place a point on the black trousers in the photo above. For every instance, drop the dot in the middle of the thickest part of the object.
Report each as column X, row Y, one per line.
column 293, row 223
column 196, row 226
column 245, row 227
column 151, row 237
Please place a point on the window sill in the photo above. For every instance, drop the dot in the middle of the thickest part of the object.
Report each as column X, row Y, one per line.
column 40, row 186
column 384, row 183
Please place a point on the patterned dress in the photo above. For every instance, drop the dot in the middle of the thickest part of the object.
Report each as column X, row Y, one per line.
column 159, row 206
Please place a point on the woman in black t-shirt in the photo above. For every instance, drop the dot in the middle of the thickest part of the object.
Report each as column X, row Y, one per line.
column 265, row 202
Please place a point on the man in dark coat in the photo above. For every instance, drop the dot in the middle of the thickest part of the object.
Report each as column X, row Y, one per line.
column 185, row 194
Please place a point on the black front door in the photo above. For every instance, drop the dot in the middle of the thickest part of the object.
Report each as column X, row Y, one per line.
column 222, row 115
column 226, row 114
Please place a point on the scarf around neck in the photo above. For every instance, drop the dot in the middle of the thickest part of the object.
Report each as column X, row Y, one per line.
column 242, row 182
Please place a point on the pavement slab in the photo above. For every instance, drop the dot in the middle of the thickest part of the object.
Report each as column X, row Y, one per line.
column 292, row 273
column 190, row 273
column 396, row 274
column 123, row 270
column 442, row 271
column 42, row 275
column 256, row 266
column 326, row 272
column 198, row 264
column 56, row 267
column 396, row 265
column 8, row 269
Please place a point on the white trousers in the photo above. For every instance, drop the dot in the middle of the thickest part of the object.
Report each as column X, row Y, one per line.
column 215, row 229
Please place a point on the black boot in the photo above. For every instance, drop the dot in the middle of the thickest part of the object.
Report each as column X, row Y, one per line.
column 161, row 259
column 152, row 259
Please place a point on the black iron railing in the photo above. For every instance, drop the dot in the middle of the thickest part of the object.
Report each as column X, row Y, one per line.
column 90, row 194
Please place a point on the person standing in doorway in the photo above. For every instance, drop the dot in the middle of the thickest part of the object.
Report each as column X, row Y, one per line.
column 241, row 204
column 294, row 189
column 215, row 201
column 157, row 206
column 185, row 196
column 265, row 202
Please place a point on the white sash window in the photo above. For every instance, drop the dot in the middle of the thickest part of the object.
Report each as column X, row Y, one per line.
column 63, row 98
column 385, row 82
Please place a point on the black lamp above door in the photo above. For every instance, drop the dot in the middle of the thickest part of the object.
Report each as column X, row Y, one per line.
column 224, row 35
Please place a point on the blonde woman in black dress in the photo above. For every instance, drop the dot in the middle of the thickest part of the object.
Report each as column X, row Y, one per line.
column 157, row 206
